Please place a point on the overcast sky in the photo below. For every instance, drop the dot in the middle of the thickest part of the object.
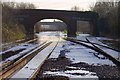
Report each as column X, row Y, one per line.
column 59, row 4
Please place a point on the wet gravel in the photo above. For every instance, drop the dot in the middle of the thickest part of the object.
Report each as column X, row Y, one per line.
column 104, row 72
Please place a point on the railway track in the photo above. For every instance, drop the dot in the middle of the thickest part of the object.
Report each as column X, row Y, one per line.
column 37, row 61
column 37, row 54
column 5, row 56
column 98, row 44
column 33, row 76
column 96, row 48
column 12, row 53
column 5, row 46
column 23, row 60
column 33, row 61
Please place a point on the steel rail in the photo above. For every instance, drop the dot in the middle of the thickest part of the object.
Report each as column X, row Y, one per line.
column 114, row 60
column 37, row 71
column 5, row 65
column 99, row 45
column 20, row 63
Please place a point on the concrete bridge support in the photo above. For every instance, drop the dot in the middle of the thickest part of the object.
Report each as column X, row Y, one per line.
column 29, row 27
column 72, row 28
column 94, row 28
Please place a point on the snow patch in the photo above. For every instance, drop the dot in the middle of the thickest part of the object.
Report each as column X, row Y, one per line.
column 72, row 74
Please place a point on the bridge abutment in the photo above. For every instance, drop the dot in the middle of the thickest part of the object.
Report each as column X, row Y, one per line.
column 29, row 27
column 94, row 28
column 72, row 28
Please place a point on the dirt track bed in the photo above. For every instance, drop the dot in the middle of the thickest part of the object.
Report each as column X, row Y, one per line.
column 103, row 72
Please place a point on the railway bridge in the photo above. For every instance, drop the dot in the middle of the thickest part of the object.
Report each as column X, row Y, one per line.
column 28, row 17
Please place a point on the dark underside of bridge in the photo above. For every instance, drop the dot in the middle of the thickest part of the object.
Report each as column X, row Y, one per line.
column 28, row 17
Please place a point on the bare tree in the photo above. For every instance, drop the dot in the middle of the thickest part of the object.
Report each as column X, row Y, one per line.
column 25, row 6
column 11, row 28
column 75, row 8
column 108, row 11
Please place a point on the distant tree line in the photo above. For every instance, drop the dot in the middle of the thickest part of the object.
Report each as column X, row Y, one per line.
column 12, row 30
column 108, row 22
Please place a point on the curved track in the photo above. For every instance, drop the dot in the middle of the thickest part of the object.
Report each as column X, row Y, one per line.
column 94, row 46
